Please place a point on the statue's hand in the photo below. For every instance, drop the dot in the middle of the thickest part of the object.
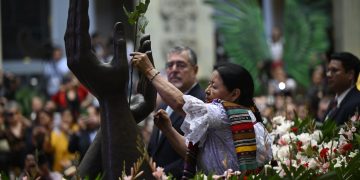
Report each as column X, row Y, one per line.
column 143, row 107
column 142, row 62
column 104, row 80
column 144, row 85
column 108, row 82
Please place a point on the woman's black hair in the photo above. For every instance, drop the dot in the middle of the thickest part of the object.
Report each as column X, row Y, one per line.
column 235, row 76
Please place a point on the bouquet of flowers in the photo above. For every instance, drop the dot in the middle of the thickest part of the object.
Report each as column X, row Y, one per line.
column 304, row 149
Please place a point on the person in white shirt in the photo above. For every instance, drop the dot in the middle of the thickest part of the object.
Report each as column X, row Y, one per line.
column 55, row 70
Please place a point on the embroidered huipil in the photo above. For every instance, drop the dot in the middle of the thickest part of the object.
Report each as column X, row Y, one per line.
column 208, row 124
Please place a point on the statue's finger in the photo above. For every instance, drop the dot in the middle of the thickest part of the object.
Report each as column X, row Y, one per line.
column 142, row 40
column 70, row 31
column 149, row 54
column 146, row 46
column 83, row 41
column 120, row 57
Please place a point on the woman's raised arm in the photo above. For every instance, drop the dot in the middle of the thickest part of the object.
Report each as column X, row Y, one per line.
column 168, row 92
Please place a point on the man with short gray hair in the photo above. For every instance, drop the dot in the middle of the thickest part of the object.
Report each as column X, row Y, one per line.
column 181, row 70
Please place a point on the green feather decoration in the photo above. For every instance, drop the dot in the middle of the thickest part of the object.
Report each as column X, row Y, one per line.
column 240, row 23
column 305, row 37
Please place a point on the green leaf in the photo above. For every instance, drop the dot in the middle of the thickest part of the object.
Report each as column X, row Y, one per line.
column 126, row 12
column 142, row 7
column 352, row 169
column 329, row 129
column 305, row 36
column 329, row 175
column 4, row 176
column 287, row 171
column 357, row 138
column 99, row 176
column 140, row 10
column 241, row 26
column 143, row 22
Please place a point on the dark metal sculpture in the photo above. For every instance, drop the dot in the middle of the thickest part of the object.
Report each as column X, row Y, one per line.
column 115, row 144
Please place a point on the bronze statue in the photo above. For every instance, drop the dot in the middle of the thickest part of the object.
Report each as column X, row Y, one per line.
column 115, row 144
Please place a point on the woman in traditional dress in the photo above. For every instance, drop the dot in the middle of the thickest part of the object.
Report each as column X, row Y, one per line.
column 225, row 132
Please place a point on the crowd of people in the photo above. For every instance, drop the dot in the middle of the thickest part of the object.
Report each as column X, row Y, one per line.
column 195, row 127
column 49, row 135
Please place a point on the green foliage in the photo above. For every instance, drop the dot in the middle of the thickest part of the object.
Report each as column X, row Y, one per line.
column 240, row 24
column 98, row 177
column 143, row 22
column 139, row 12
column 305, row 37
column 138, row 19
column 200, row 176
column 348, row 172
column 329, row 130
column 24, row 96
column 304, row 125
column 351, row 170
column 3, row 176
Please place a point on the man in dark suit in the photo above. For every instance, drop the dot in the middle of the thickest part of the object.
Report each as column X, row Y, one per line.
column 181, row 70
column 342, row 74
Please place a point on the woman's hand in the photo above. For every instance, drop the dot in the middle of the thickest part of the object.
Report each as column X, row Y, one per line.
column 162, row 120
column 141, row 62
column 177, row 141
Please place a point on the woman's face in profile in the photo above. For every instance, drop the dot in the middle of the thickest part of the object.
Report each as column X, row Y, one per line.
column 216, row 89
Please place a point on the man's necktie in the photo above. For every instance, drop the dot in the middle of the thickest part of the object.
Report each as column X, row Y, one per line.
column 333, row 107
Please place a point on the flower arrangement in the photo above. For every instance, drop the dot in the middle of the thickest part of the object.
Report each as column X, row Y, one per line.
column 304, row 149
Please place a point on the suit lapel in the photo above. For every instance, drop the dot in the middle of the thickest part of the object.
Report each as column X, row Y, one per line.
column 337, row 110
column 154, row 140
column 348, row 96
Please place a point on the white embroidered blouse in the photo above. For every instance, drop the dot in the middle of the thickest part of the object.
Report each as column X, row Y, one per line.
column 208, row 124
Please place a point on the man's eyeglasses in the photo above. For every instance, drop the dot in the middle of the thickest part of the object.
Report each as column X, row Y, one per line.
column 179, row 64
column 332, row 70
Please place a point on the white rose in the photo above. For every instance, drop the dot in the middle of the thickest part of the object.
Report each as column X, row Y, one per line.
column 341, row 131
column 278, row 120
column 283, row 152
column 349, row 135
column 312, row 163
column 275, row 149
column 289, row 137
column 313, row 143
column 283, row 128
column 305, row 138
column 316, row 135
column 352, row 154
column 337, row 165
column 331, row 145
